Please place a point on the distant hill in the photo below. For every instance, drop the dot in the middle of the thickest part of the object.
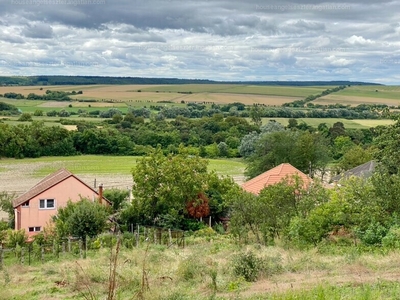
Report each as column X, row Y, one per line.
column 84, row 80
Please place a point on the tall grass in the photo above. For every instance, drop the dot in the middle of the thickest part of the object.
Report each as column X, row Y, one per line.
column 205, row 269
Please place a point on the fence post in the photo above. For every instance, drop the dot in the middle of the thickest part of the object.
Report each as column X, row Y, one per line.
column 80, row 248
column 137, row 235
column 170, row 236
column 22, row 255
column 29, row 254
column 42, row 254
column 1, row 257
column 69, row 244
column 63, row 247
column 155, row 236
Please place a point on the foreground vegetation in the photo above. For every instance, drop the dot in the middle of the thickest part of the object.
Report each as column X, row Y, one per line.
column 211, row 266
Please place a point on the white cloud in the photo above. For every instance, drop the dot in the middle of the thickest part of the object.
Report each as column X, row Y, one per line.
column 359, row 40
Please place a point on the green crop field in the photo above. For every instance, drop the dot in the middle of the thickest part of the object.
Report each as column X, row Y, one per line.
column 355, row 95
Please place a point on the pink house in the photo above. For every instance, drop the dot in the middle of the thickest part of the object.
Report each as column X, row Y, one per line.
column 34, row 209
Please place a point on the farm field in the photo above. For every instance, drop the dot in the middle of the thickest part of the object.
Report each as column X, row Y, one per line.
column 176, row 93
column 205, row 269
column 19, row 175
column 353, row 124
column 355, row 95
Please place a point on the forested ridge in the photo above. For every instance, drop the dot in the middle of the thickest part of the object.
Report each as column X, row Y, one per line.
column 75, row 80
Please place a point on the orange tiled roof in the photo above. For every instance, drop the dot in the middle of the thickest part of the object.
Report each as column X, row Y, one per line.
column 46, row 183
column 273, row 176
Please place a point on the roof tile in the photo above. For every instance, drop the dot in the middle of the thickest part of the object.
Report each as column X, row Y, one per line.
column 273, row 176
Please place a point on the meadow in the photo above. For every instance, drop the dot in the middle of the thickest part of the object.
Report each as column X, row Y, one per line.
column 19, row 175
column 355, row 95
column 211, row 266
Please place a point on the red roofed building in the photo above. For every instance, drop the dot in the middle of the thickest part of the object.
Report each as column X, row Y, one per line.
column 273, row 176
column 35, row 208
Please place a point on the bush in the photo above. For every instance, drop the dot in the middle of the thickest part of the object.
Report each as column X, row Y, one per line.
column 373, row 235
column 16, row 238
column 392, row 238
column 251, row 267
column 248, row 266
column 25, row 117
column 190, row 268
column 205, row 232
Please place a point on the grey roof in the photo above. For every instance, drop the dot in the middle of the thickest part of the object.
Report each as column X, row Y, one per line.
column 365, row 170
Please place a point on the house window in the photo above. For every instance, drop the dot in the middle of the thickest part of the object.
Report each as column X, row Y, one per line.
column 26, row 204
column 34, row 229
column 47, row 203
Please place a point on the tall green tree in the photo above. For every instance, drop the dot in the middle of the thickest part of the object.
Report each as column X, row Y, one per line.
column 165, row 184
column 304, row 150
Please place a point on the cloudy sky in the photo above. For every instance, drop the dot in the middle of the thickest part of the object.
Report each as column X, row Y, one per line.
column 356, row 40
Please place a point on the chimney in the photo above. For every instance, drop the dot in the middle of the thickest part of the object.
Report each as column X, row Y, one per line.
column 100, row 193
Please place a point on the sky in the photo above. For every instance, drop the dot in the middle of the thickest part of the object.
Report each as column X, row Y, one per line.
column 357, row 40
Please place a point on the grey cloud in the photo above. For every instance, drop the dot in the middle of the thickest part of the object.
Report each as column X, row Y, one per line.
column 38, row 31
column 216, row 39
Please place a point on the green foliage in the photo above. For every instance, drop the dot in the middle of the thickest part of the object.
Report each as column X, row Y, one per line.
column 16, row 238
column 7, row 206
column 165, row 184
column 373, row 234
column 38, row 113
column 25, row 117
column 392, row 238
column 251, row 267
column 304, row 150
column 247, row 265
column 117, row 197
column 353, row 207
column 190, row 268
column 81, row 219
column 353, row 157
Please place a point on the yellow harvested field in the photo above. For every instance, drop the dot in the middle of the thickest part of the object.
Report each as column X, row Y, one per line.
column 129, row 93
column 224, row 98
column 70, row 127
column 374, row 123
column 354, row 100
